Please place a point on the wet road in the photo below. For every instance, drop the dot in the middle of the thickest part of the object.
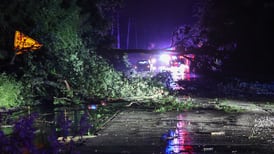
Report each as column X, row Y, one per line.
column 198, row 131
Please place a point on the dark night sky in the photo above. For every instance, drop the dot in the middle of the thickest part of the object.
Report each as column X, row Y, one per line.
column 153, row 21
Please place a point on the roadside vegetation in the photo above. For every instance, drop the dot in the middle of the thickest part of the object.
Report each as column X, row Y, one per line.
column 11, row 92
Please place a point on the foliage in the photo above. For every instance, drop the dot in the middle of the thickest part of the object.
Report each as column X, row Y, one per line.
column 163, row 79
column 221, row 36
column 11, row 91
column 58, row 27
column 194, row 40
column 56, row 23
column 117, row 59
column 188, row 37
column 172, row 103
column 106, row 82
column 140, row 87
column 98, row 21
column 212, row 38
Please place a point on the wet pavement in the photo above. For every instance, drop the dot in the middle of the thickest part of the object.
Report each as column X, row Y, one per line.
column 142, row 131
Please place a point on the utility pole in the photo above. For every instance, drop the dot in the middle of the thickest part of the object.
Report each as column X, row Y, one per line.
column 112, row 25
column 136, row 37
column 128, row 31
column 118, row 31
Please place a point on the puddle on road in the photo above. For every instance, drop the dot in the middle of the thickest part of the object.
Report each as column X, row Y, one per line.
column 185, row 140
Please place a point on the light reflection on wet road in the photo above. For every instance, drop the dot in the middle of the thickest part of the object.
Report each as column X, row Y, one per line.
column 213, row 132
column 179, row 140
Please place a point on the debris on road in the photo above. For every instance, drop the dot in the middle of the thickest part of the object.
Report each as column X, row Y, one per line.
column 217, row 133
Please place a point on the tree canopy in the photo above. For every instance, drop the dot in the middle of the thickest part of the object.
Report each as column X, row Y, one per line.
column 235, row 34
column 69, row 67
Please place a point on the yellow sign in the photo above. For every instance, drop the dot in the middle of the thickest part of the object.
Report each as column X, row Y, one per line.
column 23, row 43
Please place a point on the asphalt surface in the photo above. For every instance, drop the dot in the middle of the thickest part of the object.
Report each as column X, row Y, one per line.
column 140, row 131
